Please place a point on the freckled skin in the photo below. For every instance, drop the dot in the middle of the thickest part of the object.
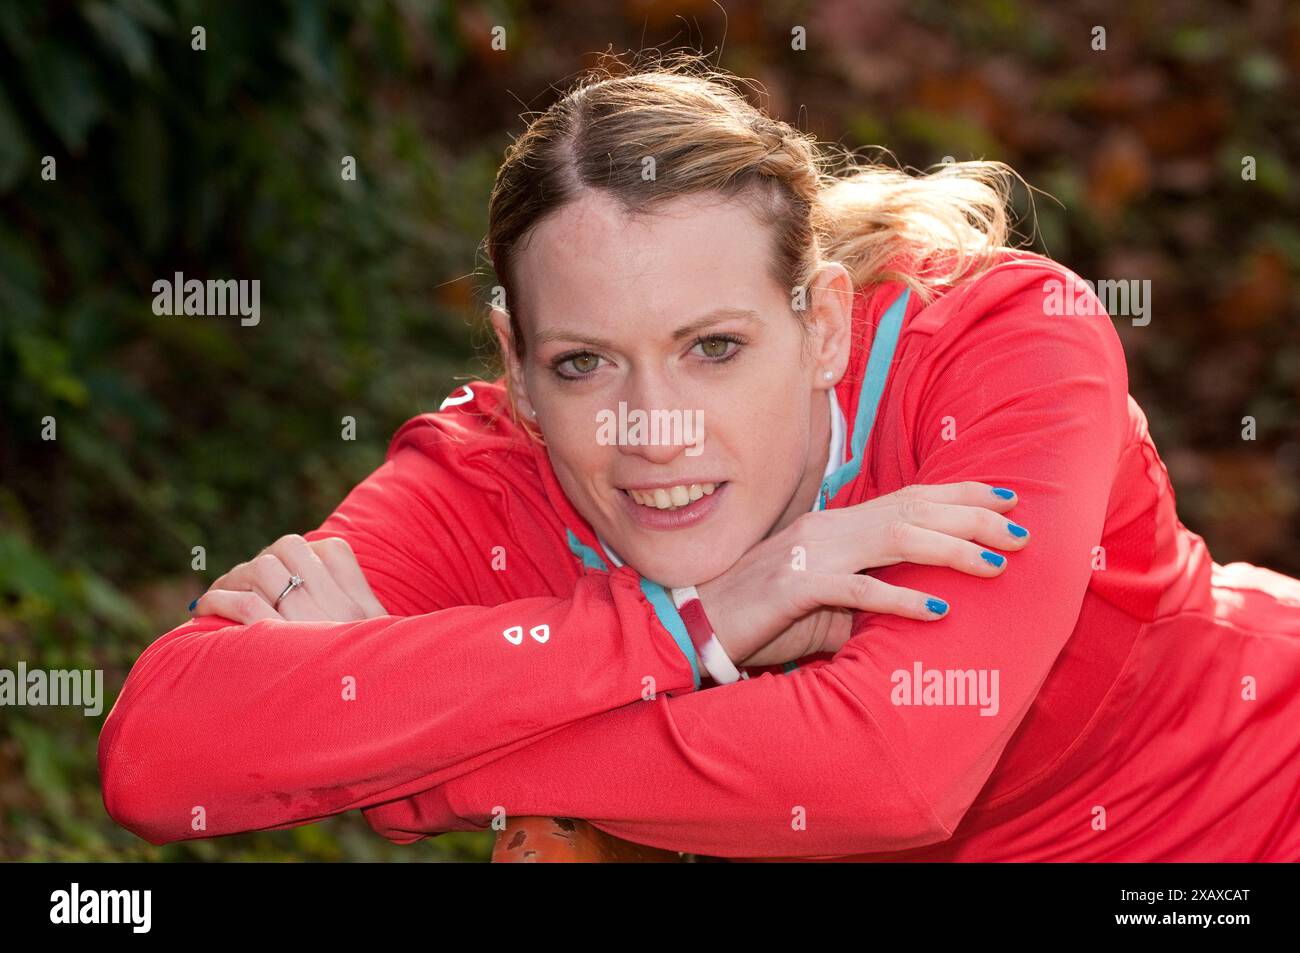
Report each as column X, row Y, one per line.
column 591, row 269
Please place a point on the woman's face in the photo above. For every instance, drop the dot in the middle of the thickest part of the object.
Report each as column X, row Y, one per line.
column 662, row 359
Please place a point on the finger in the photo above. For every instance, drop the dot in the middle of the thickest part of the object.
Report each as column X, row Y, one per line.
column 852, row 545
column 242, row 606
column 266, row 576
column 302, row 560
column 905, row 542
column 842, row 629
column 236, row 577
column 269, row 577
column 337, row 555
column 868, row 594
column 975, row 523
column 966, row 493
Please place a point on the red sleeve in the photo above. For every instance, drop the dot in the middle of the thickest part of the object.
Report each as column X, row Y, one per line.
column 222, row 728
column 824, row 761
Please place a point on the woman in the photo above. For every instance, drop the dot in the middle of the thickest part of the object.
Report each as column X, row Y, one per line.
column 523, row 613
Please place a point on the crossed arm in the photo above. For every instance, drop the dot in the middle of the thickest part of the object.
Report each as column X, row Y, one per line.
column 837, row 757
column 435, row 719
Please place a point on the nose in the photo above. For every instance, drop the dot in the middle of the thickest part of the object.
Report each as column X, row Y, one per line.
column 659, row 424
column 657, row 453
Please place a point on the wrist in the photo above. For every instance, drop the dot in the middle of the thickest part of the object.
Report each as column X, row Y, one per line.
column 715, row 607
column 710, row 650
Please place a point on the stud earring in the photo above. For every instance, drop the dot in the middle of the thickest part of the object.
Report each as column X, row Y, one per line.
column 827, row 375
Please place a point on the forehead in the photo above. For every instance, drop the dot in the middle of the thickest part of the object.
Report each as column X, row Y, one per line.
column 593, row 266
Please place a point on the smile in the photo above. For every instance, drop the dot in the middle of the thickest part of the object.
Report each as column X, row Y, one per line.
column 672, row 497
column 672, row 507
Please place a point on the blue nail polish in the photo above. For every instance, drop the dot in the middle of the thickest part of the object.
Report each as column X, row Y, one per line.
column 1018, row 531
column 993, row 559
column 937, row 606
column 1005, row 494
column 193, row 604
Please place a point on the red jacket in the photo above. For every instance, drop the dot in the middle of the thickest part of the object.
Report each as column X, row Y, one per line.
column 1147, row 703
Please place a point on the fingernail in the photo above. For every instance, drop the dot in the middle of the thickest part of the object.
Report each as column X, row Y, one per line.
column 992, row 559
column 1004, row 493
column 193, row 604
column 937, row 606
column 1018, row 531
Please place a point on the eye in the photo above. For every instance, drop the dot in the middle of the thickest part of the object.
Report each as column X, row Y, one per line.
column 584, row 363
column 715, row 347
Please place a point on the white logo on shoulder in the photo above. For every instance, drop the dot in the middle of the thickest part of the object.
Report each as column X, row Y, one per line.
column 454, row 401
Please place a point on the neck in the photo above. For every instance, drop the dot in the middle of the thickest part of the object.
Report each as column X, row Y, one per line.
column 814, row 466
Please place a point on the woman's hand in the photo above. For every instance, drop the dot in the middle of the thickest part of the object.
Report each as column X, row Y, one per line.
column 794, row 593
column 334, row 588
column 823, row 630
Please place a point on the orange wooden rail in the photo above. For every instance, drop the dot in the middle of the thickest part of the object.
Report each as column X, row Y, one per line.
column 564, row 840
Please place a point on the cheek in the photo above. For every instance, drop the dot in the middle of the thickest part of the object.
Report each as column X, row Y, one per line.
column 774, row 412
column 575, row 455
column 774, row 445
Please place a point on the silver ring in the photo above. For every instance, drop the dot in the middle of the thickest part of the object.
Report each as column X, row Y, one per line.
column 294, row 583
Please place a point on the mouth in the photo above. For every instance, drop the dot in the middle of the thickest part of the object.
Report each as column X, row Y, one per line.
column 672, row 507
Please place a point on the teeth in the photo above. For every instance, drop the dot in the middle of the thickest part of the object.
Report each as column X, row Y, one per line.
column 670, row 498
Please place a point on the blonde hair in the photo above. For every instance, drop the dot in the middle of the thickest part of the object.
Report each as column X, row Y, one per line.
column 928, row 231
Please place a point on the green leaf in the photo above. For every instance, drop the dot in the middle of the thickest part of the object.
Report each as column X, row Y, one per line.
column 120, row 33
column 143, row 159
column 15, row 151
column 66, row 92
column 25, row 571
column 44, row 363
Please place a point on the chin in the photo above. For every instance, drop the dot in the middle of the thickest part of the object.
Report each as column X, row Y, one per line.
column 673, row 572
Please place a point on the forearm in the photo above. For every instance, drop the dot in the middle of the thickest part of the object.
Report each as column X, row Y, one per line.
column 774, row 766
column 840, row 749
column 279, row 723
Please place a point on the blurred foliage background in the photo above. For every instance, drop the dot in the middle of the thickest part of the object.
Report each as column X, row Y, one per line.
column 182, row 431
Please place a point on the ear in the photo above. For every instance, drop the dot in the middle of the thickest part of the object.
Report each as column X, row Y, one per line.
column 830, row 320
column 514, row 371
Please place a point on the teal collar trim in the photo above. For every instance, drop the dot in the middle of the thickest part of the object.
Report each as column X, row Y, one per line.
column 655, row 594
column 873, row 387
column 667, row 612
column 590, row 558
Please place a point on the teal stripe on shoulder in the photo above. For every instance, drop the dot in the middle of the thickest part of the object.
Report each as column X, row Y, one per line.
column 655, row 594
column 590, row 558
column 883, row 346
column 671, row 619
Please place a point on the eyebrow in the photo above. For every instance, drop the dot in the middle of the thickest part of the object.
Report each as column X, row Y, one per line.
column 716, row 316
